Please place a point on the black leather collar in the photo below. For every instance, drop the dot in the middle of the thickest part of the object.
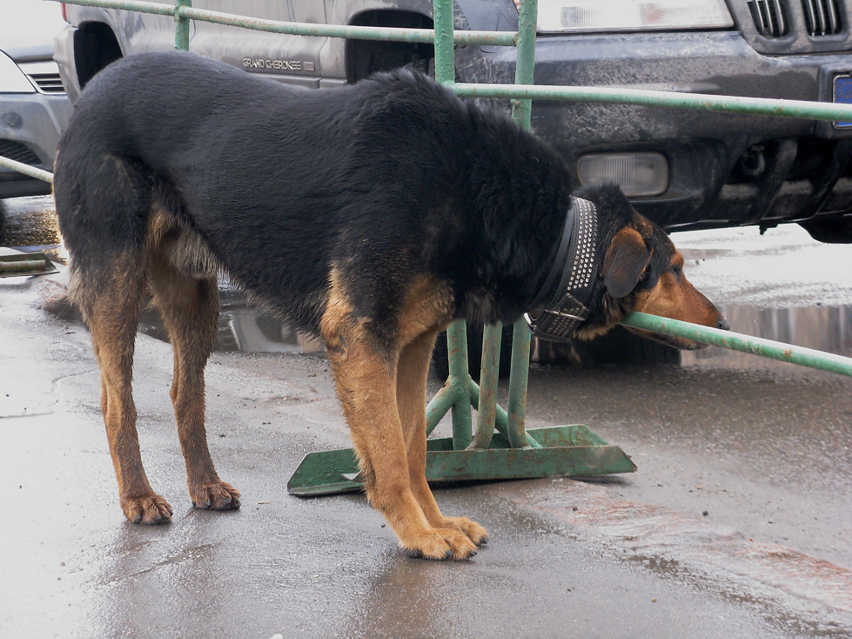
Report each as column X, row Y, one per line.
column 558, row 312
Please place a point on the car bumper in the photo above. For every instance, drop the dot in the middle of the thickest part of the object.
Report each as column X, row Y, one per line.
column 803, row 162
column 30, row 127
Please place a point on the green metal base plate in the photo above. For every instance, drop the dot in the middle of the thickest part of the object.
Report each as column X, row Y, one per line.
column 565, row 451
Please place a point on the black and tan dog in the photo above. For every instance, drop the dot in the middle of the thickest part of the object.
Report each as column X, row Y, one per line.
column 371, row 214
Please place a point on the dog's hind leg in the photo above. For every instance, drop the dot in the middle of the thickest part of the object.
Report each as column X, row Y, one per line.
column 190, row 309
column 412, row 372
column 112, row 314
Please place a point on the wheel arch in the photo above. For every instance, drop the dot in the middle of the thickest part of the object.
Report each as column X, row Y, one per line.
column 95, row 46
column 363, row 57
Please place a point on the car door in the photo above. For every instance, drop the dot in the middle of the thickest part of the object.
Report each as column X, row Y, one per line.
column 286, row 58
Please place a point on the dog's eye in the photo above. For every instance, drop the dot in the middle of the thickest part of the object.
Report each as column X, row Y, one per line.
column 677, row 271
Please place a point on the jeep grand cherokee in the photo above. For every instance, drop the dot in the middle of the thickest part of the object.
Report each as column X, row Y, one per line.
column 684, row 169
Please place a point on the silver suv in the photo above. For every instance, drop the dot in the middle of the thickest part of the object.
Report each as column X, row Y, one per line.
column 684, row 169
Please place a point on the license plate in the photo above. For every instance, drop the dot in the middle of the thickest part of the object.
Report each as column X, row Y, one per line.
column 843, row 95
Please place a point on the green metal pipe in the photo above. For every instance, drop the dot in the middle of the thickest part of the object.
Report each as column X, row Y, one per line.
column 439, row 405
column 743, row 343
column 521, row 110
column 457, row 331
column 128, row 5
column 182, row 25
column 459, row 376
column 501, row 423
column 727, row 104
column 445, row 398
column 518, row 383
column 525, row 67
column 445, row 62
column 486, row 412
column 26, row 169
column 494, row 38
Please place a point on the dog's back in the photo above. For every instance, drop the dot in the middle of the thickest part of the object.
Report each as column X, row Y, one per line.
column 194, row 140
column 143, row 143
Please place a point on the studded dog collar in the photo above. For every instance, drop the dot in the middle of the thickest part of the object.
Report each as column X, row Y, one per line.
column 576, row 266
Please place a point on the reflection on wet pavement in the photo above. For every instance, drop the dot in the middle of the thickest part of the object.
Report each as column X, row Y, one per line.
column 28, row 223
column 243, row 328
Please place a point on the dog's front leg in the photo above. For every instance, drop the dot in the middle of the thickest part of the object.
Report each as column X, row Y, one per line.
column 366, row 384
column 412, row 373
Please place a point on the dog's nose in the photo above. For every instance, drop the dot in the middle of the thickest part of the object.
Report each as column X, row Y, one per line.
column 723, row 325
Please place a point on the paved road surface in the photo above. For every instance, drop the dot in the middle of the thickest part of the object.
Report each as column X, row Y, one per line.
column 737, row 523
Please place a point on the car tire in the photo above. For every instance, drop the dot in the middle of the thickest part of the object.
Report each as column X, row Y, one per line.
column 621, row 347
column 830, row 230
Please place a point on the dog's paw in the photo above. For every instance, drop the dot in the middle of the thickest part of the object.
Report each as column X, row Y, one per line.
column 440, row 543
column 476, row 533
column 215, row 496
column 150, row 509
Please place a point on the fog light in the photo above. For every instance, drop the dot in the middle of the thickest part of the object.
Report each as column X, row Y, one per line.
column 638, row 174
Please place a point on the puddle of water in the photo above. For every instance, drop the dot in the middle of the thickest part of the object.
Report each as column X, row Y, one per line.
column 28, row 222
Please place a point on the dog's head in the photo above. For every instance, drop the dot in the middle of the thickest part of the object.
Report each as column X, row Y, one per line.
column 641, row 270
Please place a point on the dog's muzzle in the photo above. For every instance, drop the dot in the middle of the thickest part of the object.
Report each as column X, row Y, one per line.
column 576, row 266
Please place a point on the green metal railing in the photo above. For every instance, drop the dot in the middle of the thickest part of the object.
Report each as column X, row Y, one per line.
column 460, row 392
column 26, row 169
column 743, row 343
column 523, row 39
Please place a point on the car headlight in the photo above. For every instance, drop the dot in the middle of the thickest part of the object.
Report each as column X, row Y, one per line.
column 12, row 79
column 571, row 16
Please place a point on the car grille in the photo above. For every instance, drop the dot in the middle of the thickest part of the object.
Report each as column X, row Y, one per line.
column 18, row 152
column 44, row 74
column 48, row 82
column 770, row 17
column 822, row 17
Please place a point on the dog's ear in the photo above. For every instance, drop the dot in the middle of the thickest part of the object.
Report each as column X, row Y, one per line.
column 624, row 262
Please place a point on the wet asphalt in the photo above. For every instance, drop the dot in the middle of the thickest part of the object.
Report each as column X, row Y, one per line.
column 737, row 523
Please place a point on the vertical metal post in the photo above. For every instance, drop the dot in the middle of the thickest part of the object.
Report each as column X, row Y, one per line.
column 518, row 381
column 527, row 21
column 457, row 332
column 181, row 26
column 445, row 73
column 521, row 109
column 445, row 64
column 486, row 413
column 459, row 376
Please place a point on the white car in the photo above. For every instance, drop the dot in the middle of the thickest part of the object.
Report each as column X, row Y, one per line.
column 33, row 106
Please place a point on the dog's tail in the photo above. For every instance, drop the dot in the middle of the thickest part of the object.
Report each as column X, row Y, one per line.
column 104, row 206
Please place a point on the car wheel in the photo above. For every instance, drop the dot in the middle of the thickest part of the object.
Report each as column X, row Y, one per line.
column 620, row 347
column 831, row 230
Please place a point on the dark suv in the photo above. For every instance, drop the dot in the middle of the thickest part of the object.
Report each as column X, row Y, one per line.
column 684, row 169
